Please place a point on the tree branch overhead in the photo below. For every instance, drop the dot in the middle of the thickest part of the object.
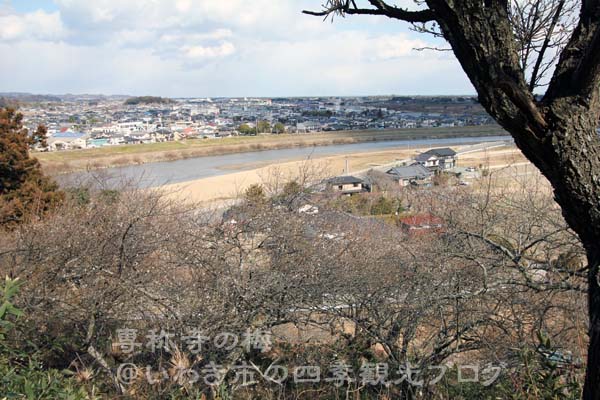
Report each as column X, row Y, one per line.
column 343, row 7
column 505, row 48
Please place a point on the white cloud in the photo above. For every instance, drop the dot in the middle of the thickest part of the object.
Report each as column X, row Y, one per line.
column 216, row 48
column 183, row 5
column 389, row 47
column 170, row 38
column 100, row 18
column 36, row 25
column 204, row 52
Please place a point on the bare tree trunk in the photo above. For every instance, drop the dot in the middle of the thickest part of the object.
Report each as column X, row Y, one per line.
column 568, row 157
column 557, row 134
column 592, row 378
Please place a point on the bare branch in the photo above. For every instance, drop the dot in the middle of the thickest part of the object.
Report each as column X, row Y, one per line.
column 343, row 7
column 545, row 45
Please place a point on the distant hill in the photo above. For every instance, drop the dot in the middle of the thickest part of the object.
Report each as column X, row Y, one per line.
column 28, row 97
column 148, row 100
column 23, row 97
column 91, row 97
column 8, row 103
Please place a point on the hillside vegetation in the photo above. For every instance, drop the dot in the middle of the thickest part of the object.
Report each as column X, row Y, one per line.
column 148, row 100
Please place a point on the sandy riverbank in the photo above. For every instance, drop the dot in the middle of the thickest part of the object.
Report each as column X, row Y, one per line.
column 209, row 191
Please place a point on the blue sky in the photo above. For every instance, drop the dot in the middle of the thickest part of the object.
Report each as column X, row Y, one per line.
column 209, row 48
column 24, row 6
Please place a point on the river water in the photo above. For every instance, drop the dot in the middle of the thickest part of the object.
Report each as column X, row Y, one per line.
column 161, row 173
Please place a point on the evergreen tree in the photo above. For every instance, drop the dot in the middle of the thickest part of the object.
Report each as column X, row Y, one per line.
column 24, row 190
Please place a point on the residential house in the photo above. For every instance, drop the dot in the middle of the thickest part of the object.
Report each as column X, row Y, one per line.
column 116, row 140
column 67, row 141
column 180, row 126
column 465, row 172
column 106, row 129
column 130, row 126
column 438, row 159
column 189, row 132
column 208, row 131
column 347, row 185
column 163, row 135
column 308, row 126
column 415, row 174
column 96, row 142
column 139, row 137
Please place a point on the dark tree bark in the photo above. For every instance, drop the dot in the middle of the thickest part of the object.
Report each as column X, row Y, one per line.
column 557, row 134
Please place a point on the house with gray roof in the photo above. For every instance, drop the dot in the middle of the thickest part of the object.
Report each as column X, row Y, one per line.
column 347, row 185
column 438, row 159
column 415, row 174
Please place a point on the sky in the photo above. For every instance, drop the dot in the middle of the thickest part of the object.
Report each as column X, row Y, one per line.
column 215, row 48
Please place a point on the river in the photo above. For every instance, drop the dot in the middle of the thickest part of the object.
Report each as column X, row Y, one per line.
column 161, row 173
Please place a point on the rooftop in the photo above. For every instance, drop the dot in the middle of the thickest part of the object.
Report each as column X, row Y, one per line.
column 344, row 180
column 411, row 171
column 441, row 152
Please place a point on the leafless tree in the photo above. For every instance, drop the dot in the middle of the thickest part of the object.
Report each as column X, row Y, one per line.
column 542, row 29
column 556, row 133
column 504, row 267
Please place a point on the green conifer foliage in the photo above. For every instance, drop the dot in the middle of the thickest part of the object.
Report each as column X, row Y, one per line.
column 25, row 191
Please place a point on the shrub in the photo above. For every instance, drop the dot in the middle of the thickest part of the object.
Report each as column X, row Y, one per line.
column 255, row 194
column 7, row 309
column 32, row 380
column 80, row 195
